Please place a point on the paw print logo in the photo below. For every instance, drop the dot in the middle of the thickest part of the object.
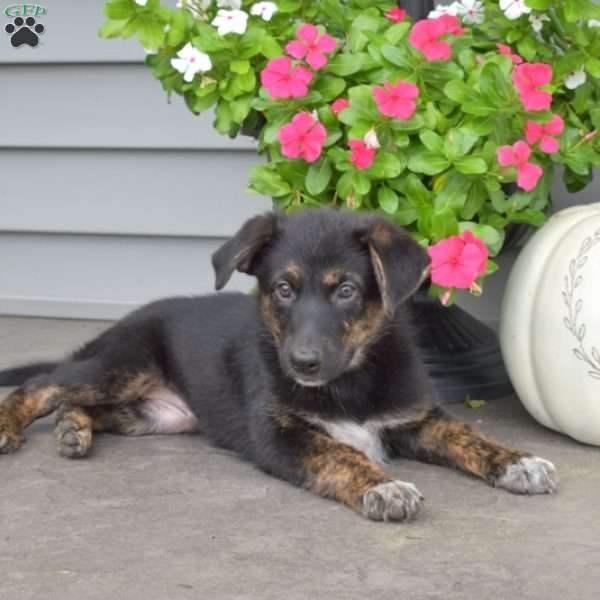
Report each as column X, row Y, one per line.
column 24, row 31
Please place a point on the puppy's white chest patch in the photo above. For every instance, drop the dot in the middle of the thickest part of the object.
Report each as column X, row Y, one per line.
column 362, row 436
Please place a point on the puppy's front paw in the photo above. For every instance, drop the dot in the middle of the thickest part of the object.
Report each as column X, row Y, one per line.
column 529, row 475
column 392, row 501
column 11, row 436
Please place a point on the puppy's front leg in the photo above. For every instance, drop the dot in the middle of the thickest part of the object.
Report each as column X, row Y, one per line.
column 296, row 451
column 437, row 438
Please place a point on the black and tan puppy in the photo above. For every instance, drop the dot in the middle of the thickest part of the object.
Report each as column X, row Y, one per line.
column 316, row 379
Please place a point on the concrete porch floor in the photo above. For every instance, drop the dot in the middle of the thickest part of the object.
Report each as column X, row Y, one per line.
column 162, row 518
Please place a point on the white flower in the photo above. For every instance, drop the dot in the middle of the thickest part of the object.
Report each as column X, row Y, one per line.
column 266, row 10
column 537, row 21
column 230, row 21
column 371, row 140
column 471, row 11
column 575, row 79
column 593, row 23
column 141, row 2
column 232, row 4
column 190, row 62
column 513, row 9
column 444, row 10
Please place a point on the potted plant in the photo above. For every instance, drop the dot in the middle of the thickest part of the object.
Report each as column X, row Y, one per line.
column 451, row 125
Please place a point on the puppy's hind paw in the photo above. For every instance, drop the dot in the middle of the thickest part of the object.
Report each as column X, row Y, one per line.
column 529, row 475
column 392, row 501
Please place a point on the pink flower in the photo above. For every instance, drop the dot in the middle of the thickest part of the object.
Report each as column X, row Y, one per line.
column 507, row 51
column 303, row 137
column 425, row 36
column 283, row 80
column 534, row 132
column 451, row 24
column 527, row 78
column 362, row 156
column 396, row 15
column 517, row 155
column 457, row 261
column 339, row 105
column 396, row 100
column 311, row 46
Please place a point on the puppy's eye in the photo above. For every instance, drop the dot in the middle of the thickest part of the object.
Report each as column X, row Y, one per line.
column 346, row 291
column 284, row 291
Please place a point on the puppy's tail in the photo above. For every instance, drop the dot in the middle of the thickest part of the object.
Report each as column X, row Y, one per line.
column 19, row 375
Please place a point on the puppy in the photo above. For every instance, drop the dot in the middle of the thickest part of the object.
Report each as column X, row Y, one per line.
column 315, row 379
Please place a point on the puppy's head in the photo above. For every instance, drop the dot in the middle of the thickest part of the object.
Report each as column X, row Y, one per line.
column 330, row 282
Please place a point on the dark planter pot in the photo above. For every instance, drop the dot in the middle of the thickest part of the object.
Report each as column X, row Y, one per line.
column 417, row 9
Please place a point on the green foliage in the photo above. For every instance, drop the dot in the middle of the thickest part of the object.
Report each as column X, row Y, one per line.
column 435, row 173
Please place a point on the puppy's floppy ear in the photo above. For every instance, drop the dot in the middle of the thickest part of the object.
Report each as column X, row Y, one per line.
column 399, row 263
column 243, row 248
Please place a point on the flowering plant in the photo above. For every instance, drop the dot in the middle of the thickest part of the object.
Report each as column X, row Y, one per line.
column 355, row 105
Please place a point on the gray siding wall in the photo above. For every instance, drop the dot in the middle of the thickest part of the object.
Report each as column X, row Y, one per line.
column 109, row 195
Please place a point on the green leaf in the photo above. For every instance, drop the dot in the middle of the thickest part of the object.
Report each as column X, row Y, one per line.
column 539, row 4
column 474, row 403
column 457, row 90
column 416, row 192
column 204, row 102
column 344, row 185
column 150, row 30
column 458, row 142
column 239, row 65
column 224, row 119
column 251, row 43
column 453, row 191
column 265, row 180
column 345, row 64
column 592, row 66
column 396, row 32
column 388, row 199
column 240, row 108
column 432, row 141
column 478, row 106
column 387, row 165
column 406, row 213
column 470, row 165
column 361, row 183
column 397, row 56
column 330, row 87
column 443, row 224
column 318, row 176
column 490, row 236
column 425, row 161
column 112, row 29
column 119, row 9
column 534, row 217
column 493, row 84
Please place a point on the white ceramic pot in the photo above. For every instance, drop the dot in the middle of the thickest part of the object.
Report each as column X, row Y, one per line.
column 550, row 324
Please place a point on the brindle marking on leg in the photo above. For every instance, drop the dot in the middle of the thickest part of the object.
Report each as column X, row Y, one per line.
column 338, row 471
column 461, row 446
column 20, row 409
column 73, row 431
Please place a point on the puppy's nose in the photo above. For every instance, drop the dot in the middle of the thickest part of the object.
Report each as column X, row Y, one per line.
column 306, row 361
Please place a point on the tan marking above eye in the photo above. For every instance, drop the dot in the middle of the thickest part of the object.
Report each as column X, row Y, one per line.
column 294, row 273
column 332, row 277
